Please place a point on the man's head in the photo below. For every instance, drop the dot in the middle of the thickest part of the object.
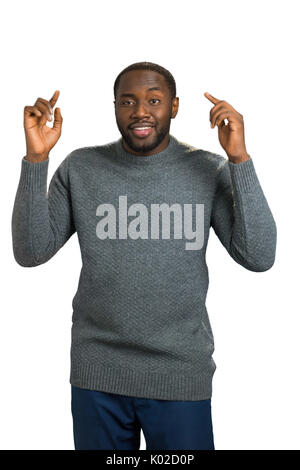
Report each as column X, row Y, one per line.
column 136, row 105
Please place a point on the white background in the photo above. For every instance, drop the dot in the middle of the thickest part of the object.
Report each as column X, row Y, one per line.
column 243, row 52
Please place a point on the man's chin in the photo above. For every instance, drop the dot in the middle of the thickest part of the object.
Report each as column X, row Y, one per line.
column 141, row 145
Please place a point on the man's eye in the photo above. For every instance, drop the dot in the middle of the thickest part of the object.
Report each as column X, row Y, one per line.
column 130, row 101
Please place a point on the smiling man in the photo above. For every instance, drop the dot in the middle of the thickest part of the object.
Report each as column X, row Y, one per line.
column 142, row 344
column 145, row 130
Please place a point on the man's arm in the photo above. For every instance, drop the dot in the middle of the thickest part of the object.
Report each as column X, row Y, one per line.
column 41, row 223
column 241, row 217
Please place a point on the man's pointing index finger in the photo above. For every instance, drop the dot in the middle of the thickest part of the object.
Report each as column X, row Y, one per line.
column 211, row 98
column 54, row 98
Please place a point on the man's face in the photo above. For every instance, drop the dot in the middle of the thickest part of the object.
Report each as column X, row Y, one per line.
column 136, row 105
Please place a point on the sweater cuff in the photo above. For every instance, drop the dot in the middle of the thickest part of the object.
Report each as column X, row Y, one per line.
column 243, row 175
column 34, row 175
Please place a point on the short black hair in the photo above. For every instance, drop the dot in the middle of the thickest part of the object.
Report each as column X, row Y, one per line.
column 149, row 66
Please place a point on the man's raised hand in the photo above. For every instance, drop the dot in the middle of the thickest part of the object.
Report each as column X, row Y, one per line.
column 40, row 138
column 231, row 135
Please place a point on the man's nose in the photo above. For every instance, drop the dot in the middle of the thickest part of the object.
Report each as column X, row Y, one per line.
column 140, row 109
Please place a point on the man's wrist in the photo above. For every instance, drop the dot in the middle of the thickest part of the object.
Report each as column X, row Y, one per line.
column 36, row 158
column 239, row 158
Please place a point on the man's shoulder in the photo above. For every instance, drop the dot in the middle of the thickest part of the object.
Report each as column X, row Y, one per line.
column 90, row 157
column 202, row 156
column 91, row 150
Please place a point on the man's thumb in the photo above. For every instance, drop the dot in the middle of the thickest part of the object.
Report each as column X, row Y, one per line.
column 57, row 119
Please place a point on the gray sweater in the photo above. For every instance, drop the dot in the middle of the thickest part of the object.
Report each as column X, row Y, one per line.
column 140, row 326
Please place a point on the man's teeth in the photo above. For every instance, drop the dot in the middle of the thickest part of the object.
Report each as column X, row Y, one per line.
column 141, row 128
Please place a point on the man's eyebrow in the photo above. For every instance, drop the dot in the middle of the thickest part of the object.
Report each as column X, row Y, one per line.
column 149, row 89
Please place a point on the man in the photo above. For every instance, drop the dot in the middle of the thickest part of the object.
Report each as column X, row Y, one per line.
column 142, row 207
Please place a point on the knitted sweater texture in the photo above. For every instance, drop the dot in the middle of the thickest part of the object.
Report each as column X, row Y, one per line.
column 140, row 326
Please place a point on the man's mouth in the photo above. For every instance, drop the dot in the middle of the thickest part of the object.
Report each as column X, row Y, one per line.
column 142, row 131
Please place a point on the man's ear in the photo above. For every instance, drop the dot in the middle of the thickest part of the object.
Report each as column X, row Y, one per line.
column 175, row 106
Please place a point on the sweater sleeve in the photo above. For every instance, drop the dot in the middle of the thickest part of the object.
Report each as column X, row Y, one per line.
column 241, row 217
column 41, row 222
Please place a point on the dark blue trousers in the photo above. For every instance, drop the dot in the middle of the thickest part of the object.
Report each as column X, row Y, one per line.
column 107, row 421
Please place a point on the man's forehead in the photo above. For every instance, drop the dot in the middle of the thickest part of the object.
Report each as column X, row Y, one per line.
column 141, row 79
